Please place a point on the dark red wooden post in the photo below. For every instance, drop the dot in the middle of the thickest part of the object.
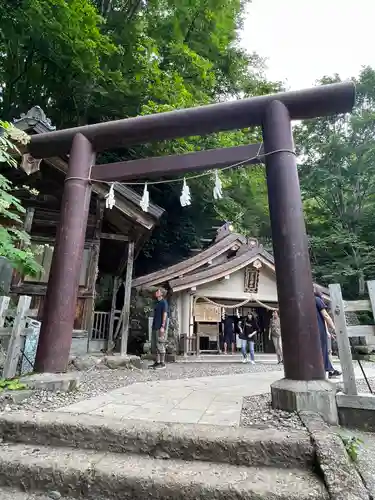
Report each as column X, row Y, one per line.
column 299, row 329
column 60, row 302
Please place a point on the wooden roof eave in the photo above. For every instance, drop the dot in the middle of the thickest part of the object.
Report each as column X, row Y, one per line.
column 231, row 267
column 217, row 272
column 189, row 265
column 147, row 220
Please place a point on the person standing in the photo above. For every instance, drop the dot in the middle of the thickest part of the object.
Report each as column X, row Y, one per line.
column 159, row 329
column 247, row 335
column 228, row 330
column 324, row 319
column 275, row 334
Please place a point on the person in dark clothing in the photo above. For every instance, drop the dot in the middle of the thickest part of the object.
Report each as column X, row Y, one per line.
column 159, row 330
column 228, row 331
column 249, row 329
column 324, row 319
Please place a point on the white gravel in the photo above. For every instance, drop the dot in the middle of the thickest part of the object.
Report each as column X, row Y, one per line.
column 258, row 413
column 99, row 381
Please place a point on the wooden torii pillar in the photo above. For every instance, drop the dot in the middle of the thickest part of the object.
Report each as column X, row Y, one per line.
column 302, row 354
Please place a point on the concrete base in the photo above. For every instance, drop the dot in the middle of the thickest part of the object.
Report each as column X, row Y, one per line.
column 318, row 396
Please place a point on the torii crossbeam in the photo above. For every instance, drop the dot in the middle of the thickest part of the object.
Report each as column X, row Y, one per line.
column 302, row 351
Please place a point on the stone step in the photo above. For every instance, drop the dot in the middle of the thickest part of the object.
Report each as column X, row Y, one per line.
column 13, row 494
column 233, row 445
column 94, row 475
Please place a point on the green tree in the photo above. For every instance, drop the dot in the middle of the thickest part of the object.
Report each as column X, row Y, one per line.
column 338, row 179
column 88, row 61
column 14, row 242
column 51, row 52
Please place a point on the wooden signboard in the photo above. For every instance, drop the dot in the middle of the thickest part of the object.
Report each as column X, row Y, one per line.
column 206, row 312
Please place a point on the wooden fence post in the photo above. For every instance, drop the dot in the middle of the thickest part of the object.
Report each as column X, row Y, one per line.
column 11, row 362
column 345, row 352
column 4, row 305
column 116, row 286
column 127, row 299
column 371, row 292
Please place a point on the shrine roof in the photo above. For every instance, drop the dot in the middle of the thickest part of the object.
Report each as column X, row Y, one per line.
column 224, row 242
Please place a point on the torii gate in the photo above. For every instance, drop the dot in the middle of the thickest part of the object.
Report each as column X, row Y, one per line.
column 302, row 351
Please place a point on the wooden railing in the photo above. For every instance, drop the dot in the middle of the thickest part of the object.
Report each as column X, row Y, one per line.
column 16, row 333
column 343, row 332
column 100, row 327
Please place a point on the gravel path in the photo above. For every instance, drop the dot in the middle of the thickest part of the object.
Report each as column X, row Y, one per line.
column 99, row 381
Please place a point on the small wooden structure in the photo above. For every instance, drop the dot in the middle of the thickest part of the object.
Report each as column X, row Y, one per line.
column 112, row 241
column 233, row 273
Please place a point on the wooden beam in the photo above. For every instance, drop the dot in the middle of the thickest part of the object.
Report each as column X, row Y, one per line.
column 177, row 164
column 318, row 101
column 28, row 222
column 357, row 305
column 11, row 362
column 361, row 331
column 116, row 286
column 93, row 269
column 127, row 297
column 343, row 342
column 371, row 292
column 114, row 236
column 358, row 401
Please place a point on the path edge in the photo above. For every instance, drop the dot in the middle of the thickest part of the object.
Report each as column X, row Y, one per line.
column 338, row 471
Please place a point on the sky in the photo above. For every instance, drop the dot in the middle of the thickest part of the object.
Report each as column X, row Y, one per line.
column 304, row 40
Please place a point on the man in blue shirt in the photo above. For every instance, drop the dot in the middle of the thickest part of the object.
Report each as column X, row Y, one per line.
column 159, row 329
column 323, row 320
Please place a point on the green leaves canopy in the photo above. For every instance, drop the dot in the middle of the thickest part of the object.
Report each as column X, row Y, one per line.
column 338, row 180
column 88, row 61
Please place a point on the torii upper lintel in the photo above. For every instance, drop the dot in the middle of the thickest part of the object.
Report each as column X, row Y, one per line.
column 301, row 104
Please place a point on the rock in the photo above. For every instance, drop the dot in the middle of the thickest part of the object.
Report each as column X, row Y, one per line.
column 162, row 455
column 55, row 495
column 3, row 356
column 101, row 366
column 84, row 363
column 127, row 361
column 147, row 347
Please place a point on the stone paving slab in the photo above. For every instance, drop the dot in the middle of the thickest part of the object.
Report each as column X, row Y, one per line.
column 210, row 400
column 213, row 400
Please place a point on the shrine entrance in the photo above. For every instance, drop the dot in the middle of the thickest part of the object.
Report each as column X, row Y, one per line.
column 302, row 351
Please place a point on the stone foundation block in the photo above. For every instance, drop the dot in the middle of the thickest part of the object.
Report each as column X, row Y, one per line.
column 53, row 382
column 318, row 396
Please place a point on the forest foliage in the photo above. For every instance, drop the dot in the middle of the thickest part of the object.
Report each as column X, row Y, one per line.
column 88, row 61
